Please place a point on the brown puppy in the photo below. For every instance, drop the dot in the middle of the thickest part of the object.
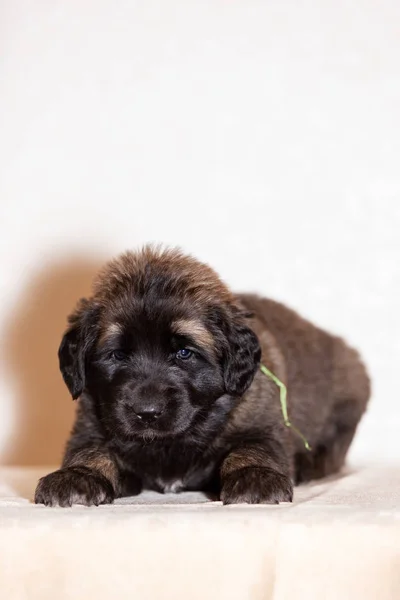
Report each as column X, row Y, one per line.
column 165, row 361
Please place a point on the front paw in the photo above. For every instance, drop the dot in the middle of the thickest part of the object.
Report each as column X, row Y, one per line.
column 74, row 485
column 256, row 485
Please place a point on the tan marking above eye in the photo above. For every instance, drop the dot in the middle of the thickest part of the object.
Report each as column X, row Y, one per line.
column 112, row 330
column 195, row 330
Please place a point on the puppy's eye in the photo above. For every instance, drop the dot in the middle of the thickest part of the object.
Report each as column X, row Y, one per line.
column 184, row 354
column 119, row 355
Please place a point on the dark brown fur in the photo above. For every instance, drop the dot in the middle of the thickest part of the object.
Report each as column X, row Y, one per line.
column 216, row 422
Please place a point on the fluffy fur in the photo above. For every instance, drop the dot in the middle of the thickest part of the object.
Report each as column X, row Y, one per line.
column 165, row 362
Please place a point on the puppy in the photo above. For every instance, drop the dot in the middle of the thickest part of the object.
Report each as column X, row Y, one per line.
column 165, row 361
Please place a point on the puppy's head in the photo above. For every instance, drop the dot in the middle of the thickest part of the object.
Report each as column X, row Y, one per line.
column 158, row 345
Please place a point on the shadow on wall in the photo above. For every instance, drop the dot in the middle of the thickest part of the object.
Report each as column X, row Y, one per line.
column 44, row 409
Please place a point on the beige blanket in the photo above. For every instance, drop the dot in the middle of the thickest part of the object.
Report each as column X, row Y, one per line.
column 339, row 540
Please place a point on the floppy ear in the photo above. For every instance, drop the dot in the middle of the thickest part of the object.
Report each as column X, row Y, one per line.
column 242, row 357
column 75, row 345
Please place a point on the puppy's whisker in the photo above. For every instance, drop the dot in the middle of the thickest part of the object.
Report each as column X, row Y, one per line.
column 148, row 436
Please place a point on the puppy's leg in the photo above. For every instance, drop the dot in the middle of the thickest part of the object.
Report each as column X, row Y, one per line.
column 329, row 453
column 351, row 387
column 88, row 476
column 256, row 474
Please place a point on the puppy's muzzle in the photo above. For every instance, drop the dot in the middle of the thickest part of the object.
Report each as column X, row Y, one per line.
column 148, row 400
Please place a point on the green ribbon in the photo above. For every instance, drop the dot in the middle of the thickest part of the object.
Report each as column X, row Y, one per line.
column 283, row 399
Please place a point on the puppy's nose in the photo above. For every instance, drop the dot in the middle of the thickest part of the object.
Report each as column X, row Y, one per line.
column 148, row 414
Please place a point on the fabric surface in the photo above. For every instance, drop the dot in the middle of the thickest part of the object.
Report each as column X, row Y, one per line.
column 339, row 539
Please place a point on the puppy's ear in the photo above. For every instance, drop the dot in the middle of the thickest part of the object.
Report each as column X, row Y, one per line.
column 242, row 356
column 75, row 345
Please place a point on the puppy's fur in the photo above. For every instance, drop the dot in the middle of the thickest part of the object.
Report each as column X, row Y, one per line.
column 165, row 361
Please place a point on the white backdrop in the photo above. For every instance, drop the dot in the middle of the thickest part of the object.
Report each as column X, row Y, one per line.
column 262, row 136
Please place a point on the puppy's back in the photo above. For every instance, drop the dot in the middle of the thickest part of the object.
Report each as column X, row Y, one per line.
column 321, row 369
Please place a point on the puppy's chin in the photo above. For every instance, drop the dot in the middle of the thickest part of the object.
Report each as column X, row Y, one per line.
column 149, row 434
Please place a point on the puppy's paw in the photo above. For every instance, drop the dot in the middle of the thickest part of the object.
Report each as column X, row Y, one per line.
column 74, row 485
column 256, row 485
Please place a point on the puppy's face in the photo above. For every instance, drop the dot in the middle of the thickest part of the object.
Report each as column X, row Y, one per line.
column 155, row 369
column 159, row 347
